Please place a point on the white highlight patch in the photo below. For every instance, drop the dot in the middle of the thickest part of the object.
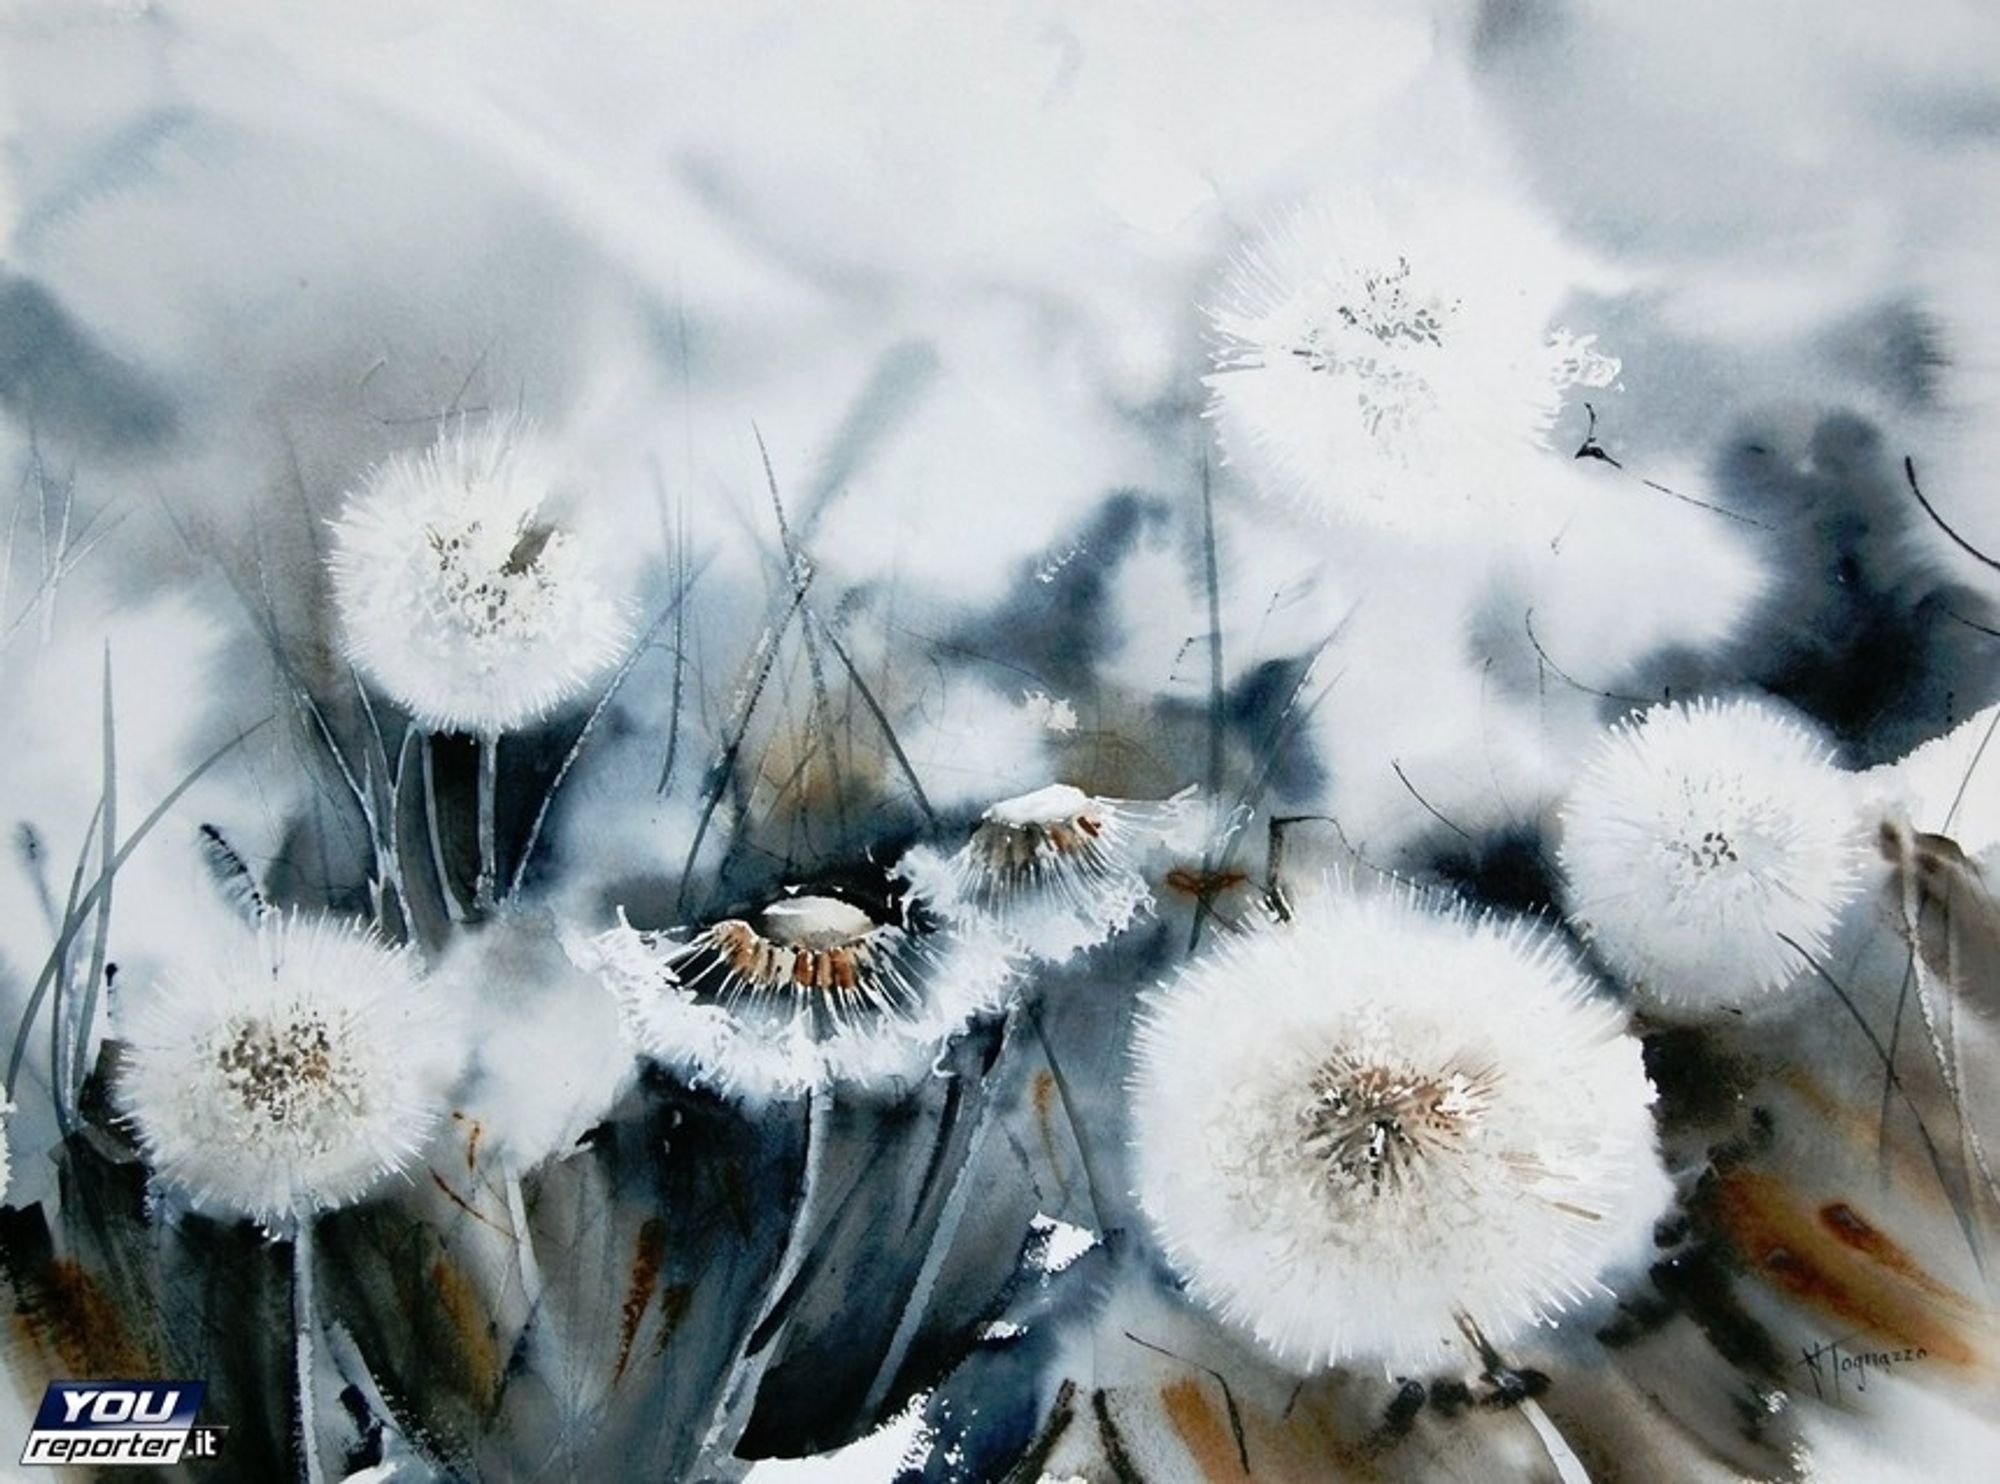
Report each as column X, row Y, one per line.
column 1060, row 1243
column 903, row 1442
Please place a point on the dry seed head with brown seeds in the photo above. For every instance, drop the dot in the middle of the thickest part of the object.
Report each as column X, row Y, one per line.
column 818, row 943
column 808, row 992
column 1057, row 870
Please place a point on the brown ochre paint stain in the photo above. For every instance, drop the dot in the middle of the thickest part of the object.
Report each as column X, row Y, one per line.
column 1836, row 1262
column 462, row 1310
column 66, row 1313
column 649, row 1253
column 1207, row 1436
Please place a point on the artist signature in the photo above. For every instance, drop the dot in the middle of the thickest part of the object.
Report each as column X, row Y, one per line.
column 1831, row 1367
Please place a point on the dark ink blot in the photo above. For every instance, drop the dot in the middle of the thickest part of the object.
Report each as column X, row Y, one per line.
column 1401, row 1414
column 1508, row 869
column 1259, row 710
column 1058, row 624
column 1451, row 1398
column 56, row 378
column 1860, row 630
column 1699, row 1084
column 1700, row 1284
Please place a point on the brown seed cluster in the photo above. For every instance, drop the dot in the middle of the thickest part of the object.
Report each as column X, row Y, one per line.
column 1371, row 1125
column 1712, row 850
column 1013, row 849
column 279, row 1071
column 757, row 960
column 486, row 602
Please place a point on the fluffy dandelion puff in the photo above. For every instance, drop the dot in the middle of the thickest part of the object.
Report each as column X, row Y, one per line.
column 1697, row 840
column 549, row 1054
column 459, row 594
column 1377, row 358
column 1057, row 870
column 289, row 1073
column 1352, row 1128
column 808, row 992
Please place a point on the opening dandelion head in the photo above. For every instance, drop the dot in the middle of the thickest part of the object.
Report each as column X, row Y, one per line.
column 805, row 947
column 808, row 990
column 1021, row 840
column 1057, row 870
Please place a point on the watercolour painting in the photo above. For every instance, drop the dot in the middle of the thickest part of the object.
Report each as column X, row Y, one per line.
column 1016, row 742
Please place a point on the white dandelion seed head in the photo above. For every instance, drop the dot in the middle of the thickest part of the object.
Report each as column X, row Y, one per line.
column 1699, row 838
column 459, row 593
column 1056, row 871
column 1384, row 359
column 806, row 993
column 1356, row 1126
column 549, row 1055
column 290, row 1072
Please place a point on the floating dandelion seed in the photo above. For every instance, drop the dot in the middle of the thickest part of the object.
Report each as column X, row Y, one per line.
column 1357, row 1126
column 808, row 992
column 1057, row 871
column 290, row 1073
column 1375, row 356
column 458, row 593
column 1697, row 840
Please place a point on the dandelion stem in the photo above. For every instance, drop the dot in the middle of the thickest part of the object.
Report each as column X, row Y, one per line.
column 384, row 830
column 1429, row 808
column 946, row 1231
column 304, row 1324
column 1966, row 1224
column 1941, row 1030
column 746, row 1370
column 763, row 657
column 1509, row 1389
column 1212, row 581
column 881, row 719
column 1091, row 1184
column 683, row 581
column 638, row 651
column 489, row 850
column 87, row 1004
column 1569, row 1468
column 1592, row 449
column 453, row 908
column 524, row 1243
column 60, row 1013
